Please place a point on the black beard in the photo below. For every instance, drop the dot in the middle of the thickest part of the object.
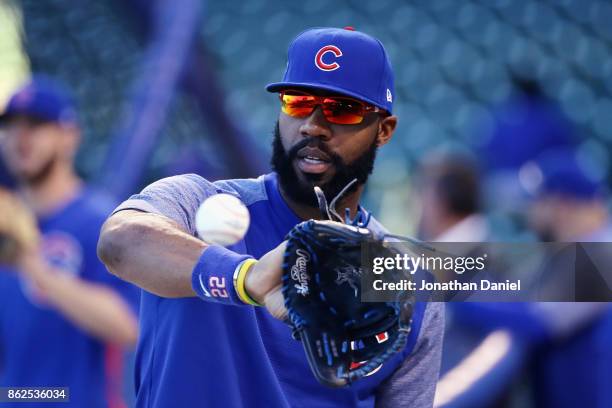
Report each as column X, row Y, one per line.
column 303, row 193
column 42, row 174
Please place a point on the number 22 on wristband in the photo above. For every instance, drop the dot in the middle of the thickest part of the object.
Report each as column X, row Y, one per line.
column 217, row 287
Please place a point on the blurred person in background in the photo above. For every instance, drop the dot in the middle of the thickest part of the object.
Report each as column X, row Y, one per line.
column 563, row 347
column 64, row 320
column 569, row 202
column 574, row 367
column 478, row 366
column 527, row 124
column 449, row 191
column 532, row 146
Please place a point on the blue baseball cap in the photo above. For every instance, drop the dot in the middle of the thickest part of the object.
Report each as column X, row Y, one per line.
column 340, row 60
column 44, row 99
column 563, row 174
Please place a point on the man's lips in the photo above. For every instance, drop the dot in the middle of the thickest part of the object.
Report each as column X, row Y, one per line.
column 313, row 160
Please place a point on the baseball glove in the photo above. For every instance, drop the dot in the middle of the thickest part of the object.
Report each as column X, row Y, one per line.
column 18, row 230
column 344, row 339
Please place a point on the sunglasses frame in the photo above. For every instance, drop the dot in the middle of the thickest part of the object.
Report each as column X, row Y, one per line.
column 365, row 107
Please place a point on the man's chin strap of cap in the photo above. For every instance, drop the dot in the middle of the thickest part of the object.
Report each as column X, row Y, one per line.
column 329, row 211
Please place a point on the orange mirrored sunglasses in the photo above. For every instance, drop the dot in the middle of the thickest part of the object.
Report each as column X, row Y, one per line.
column 340, row 110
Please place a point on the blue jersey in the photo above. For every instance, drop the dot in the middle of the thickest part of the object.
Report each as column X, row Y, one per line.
column 197, row 353
column 39, row 347
column 577, row 370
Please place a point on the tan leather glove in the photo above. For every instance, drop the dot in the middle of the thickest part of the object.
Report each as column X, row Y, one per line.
column 19, row 233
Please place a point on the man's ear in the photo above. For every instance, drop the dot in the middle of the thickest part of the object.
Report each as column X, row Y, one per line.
column 385, row 130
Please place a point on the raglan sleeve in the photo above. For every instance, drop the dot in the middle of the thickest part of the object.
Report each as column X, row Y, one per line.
column 413, row 384
column 176, row 197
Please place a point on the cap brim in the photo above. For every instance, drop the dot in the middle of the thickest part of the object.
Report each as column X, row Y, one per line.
column 32, row 114
column 5, row 116
column 279, row 86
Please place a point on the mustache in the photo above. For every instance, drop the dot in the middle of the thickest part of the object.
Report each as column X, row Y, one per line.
column 313, row 142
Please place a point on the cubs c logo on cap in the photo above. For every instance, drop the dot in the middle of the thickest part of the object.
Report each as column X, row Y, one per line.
column 328, row 49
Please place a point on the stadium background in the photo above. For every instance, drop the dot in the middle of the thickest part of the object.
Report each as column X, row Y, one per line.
column 170, row 87
column 453, row 63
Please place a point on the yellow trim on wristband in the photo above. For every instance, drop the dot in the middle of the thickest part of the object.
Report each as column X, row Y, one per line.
column 239, row 278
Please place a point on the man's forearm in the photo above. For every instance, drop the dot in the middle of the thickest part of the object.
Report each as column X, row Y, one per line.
column 150, row 251
column 95, row 308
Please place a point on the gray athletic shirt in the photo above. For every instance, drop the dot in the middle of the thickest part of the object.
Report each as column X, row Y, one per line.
column 178, row 198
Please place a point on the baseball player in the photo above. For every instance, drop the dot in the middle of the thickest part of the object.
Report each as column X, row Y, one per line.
column 202, row 342
column 63, row 319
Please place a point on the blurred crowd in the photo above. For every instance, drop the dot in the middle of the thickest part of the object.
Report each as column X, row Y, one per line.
column 554, row 354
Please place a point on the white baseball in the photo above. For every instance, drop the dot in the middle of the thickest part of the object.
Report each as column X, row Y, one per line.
column 222, row 219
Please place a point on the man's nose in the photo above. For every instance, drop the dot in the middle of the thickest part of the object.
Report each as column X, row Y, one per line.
column 316, row 125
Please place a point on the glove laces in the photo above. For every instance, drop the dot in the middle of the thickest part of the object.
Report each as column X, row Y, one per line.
column 329, row 210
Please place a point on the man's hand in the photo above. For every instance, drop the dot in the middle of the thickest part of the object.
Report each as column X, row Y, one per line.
column 263, row 282
column 19, row 234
